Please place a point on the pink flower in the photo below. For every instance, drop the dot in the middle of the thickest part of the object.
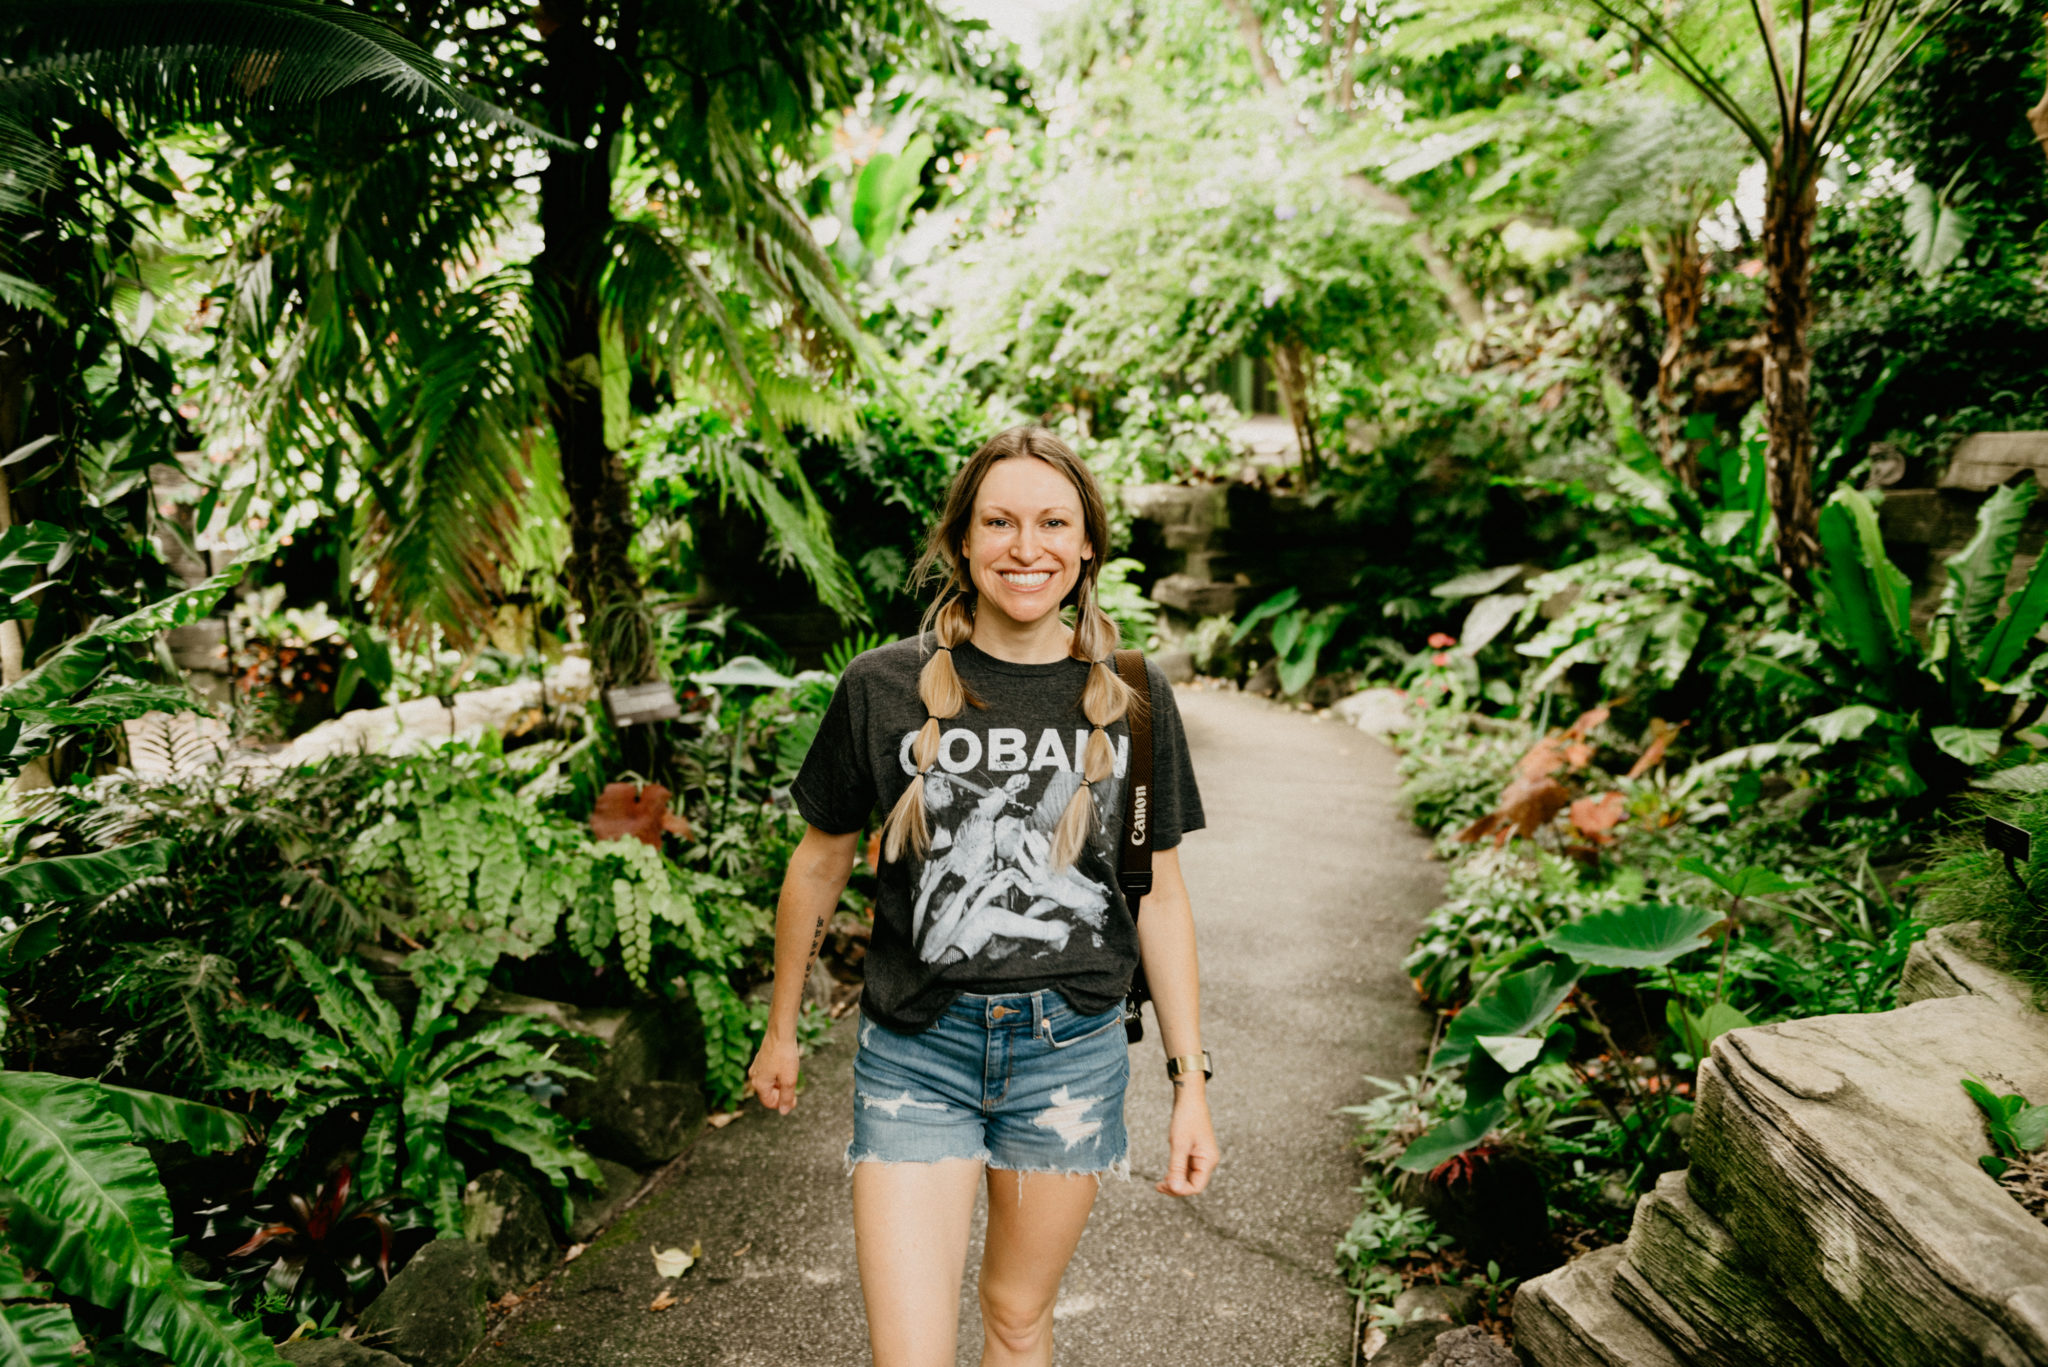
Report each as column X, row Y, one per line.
column 1439, row 659
column 1440, row 640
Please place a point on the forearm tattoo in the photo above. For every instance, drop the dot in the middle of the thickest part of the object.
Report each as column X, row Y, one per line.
column 817, row 941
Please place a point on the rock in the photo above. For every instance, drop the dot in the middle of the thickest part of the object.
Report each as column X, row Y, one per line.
column 1841, row 1153
column 642, row 1124
column 593, row 1211
column 432, row 1313
column 1470, row 1347
column 1408, row 1346
column 502, row 1216
column 645, row 1098
column 1570, row 1318
column 335, row 1353
column 1176, row 666
column 1954, row 961
column 1687, row 1278
column 1201, row 598
column 1441, row 1304
column 1984, row 460
column 1266, row 682
column 1378, row 712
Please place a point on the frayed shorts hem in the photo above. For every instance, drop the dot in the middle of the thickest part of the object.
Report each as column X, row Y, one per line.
column 1120, row 1169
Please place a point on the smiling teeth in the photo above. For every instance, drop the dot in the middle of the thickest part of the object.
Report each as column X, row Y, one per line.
column 1028, row 581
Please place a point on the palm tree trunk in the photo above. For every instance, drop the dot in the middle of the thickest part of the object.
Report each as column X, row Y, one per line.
column 1788, row 363
column 575, row 211
column 1679, row 294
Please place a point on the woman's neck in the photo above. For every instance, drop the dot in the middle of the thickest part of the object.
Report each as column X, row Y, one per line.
column 1022, row 643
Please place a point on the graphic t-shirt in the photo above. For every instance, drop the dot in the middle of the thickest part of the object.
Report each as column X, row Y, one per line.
column 984, row 910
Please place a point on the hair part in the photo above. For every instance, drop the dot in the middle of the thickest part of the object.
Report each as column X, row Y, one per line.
column 949, row 620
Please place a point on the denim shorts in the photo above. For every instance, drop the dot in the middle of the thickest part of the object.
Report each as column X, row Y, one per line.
column 1021, row 1082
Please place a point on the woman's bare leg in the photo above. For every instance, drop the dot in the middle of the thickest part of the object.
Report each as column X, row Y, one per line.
column 1035, row 1220
column 910, row 1233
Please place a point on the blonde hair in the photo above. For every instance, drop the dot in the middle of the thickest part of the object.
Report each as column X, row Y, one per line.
column 949, row 620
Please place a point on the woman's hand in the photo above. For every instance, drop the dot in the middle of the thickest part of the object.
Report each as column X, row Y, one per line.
column 1191, row 1140
column 774, row 1072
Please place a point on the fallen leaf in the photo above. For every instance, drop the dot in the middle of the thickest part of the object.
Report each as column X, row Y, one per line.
column 1587, row 720
column 663, row 1301
column 673, row 1262
column 1578, row 754
column 722, row 1119
column 1596, row 817
column 696, row 1250
column 575, row 1252
column 741, row 1251
column 625, row 809
column 676, row 824
column 1662, row 733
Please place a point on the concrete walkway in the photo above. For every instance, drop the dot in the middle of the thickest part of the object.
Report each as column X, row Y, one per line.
column 1307, row 887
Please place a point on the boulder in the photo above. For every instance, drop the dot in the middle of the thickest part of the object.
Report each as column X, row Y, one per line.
column 1954, row 961
column 1407, row 1346
column 1381, row 712
column 1176, row 666
column 432, row 1313
column 1841, row 1153
column 1470, row 1346
column 1202, row 598
column 645, row 1099
column 1570, row 1318
column 335, row 1353
column 1266, row 681
column 592, row 1212
column 1687, row 1278
column 1443, row 1304
column 502, row 1216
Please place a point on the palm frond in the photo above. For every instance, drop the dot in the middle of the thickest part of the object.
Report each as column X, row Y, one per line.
column 207, row 59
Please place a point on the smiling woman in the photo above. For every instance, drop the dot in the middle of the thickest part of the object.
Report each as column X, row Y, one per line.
column 999, row 741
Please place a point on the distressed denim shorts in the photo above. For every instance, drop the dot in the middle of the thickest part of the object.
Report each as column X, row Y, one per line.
column 1021, row 1081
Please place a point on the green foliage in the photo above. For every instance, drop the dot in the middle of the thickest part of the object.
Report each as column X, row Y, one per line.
column 1385, row 1234
column 419, row 1089
column 732, row 1031
column 1134, row 614
column 84, row 1204
column 2017, row 1127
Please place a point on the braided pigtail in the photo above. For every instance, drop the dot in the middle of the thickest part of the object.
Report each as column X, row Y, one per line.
column 1105, row 699
column 940, row 689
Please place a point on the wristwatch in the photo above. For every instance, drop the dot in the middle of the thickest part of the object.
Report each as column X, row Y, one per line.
column 1180, row 1066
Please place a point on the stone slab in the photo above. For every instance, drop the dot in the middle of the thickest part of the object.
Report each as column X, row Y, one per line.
column 1841, row 1152
column 1684, row 1275
column 1951, row 962
column 1985, row 460
column 1570, row 1318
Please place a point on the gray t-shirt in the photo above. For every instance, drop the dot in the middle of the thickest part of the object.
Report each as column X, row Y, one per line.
column 984, row 910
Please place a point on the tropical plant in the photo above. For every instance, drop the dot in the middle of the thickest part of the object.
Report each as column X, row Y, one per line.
column 423, row 1094
column 2017, row 1127
column 1298, row 634
column 85, row 1205
column 332, row 1251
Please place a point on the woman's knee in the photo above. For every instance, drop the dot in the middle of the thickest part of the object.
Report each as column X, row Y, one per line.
column 1019, row 1323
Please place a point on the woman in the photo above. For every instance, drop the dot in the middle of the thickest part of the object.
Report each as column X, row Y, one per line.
column 991, row 1042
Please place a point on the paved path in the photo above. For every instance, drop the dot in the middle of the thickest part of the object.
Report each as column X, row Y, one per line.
column 1307, row 887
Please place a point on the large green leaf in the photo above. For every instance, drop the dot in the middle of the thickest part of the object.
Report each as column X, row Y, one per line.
column 1970, row 744
column 1864, row 597
column 186, row 1322
column 1976, row 573
column 1446, row 1141
column 1272, row 607
column 173, row 1120
column 25, row 944
column 2025, row 613
column 114, row 701
column 82, row 877
column 1752, row 880
column 103, row 1221
column 1698, row 1030
column 1642, row 936
column 889, row 184
column 39, row 1336
column 1515, row 1005
column 25, row 550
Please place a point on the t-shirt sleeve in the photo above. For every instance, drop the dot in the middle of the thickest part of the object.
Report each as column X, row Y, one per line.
column 1176, row 800
column 835, row 788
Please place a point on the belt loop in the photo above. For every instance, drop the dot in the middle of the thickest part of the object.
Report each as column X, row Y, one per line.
column 1038, row 1025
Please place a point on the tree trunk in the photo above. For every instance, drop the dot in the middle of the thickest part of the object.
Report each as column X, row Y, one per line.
column 575, row 211
column 1788, row 365
column 13, row 400
column 1680, row 294
column 1292, row 369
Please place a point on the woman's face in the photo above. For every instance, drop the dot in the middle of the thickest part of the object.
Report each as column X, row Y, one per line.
column 1026, row 544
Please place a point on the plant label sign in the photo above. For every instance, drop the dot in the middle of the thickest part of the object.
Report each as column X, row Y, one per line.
column 2007, row 839
column 638, row 704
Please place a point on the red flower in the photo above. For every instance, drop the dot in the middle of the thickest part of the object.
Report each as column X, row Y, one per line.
column 1439, row 659
column 1439, row 640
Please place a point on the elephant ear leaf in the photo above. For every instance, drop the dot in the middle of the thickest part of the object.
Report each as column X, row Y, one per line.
column 1515, row 1005
column 89, row 1210
column 1644, row 936
column 1441, row 1143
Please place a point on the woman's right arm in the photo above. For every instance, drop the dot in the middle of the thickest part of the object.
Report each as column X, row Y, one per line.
column 810, row 893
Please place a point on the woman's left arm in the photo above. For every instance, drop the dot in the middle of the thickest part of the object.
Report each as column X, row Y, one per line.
column 1166, row 941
